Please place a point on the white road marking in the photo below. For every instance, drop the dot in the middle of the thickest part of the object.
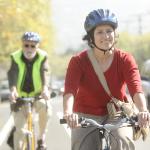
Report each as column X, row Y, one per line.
column 6, row 129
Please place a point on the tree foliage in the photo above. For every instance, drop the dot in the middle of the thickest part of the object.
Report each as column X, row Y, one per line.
column 18, row 16
column 138, row 45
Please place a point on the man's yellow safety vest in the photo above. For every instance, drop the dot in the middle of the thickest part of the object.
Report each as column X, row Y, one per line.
column 36, row 75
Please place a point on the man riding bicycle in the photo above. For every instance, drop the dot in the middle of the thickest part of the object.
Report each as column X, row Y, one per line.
column 28, row 77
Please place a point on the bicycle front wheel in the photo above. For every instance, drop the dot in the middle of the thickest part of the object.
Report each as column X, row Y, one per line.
column 29, row 143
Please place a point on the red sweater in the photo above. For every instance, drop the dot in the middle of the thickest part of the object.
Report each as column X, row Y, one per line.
column 83, row 83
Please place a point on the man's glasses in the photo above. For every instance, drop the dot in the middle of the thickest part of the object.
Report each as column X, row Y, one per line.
column 31, row 46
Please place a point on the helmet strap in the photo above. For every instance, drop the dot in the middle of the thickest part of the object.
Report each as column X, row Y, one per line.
column 92, row 43
column 104, row 50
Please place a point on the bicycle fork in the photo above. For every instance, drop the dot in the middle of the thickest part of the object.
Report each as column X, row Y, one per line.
column 30, row 140
column 105, row 143
column 30, row 128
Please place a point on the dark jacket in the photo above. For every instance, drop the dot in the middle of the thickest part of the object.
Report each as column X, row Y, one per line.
column 28, row 82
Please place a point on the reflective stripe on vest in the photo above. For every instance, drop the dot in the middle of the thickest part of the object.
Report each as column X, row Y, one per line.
column 36, row 75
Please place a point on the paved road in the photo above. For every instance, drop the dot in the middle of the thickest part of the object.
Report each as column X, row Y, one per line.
column 57, row 137
column 4, row 113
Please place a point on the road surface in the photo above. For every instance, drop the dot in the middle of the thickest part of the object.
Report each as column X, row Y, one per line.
column 57, row 137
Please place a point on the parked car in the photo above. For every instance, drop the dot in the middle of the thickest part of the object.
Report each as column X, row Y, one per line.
column 57, row 86
column 4, row 91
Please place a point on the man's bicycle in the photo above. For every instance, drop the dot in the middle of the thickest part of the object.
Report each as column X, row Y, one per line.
column 105, row 129
column 29, row 141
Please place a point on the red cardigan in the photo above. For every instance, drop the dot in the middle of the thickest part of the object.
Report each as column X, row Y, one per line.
column 83, row 83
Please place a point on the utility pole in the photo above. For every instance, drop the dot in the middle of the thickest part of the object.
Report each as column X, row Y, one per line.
column 140, row 24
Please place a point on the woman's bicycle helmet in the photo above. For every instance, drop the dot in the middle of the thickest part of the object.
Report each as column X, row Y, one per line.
column 31, row 36
column 98, row 17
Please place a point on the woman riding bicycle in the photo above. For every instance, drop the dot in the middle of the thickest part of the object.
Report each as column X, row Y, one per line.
column 84, row 95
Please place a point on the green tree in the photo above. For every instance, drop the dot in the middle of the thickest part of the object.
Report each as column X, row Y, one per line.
column 18, row 16
column 138, row 45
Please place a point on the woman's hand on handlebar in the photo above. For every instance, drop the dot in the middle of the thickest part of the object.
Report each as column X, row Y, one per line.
column 144, row 119
column 72, row 120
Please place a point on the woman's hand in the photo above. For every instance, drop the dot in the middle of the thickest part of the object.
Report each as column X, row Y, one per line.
column 72, row 120
column 144, row 119
column 143, row 115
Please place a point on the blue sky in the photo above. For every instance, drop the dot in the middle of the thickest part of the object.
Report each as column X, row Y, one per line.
column 68, row 17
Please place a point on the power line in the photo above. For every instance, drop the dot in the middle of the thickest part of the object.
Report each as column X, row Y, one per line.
column 137, row 23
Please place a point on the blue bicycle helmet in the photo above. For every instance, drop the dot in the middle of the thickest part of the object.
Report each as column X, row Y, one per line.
column 98, row 17
column 31, row 36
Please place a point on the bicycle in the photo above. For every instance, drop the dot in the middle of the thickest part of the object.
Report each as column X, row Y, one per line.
column 29, row 131
column 105, row 129
column 29, row 141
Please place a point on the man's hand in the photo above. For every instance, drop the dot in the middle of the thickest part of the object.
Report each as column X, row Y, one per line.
column 45, row 93
column 13, row 94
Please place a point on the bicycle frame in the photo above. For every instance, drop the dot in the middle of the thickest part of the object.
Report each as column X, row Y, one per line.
column 86, row 122
column 107, row 128
column 30, row 128
column 29, row 142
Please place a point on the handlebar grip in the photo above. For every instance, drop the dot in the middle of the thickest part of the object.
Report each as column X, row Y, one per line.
column 63, row 121
column 135, row 118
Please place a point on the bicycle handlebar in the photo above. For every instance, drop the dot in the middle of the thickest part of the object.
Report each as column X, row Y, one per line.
column 123, row 122
column 105, row 128
column 20, row 101
column 28, row 99
column 86, row 122
column 64, row 121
